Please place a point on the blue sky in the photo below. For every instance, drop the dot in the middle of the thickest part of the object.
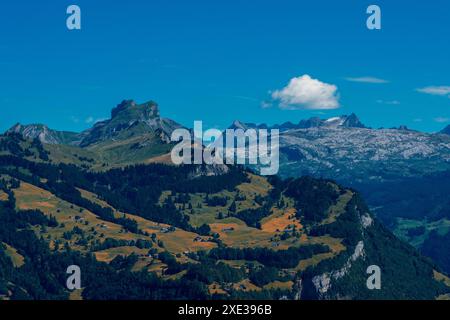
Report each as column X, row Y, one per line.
column 218, row 61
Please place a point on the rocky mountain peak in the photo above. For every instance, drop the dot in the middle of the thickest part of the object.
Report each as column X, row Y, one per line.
column 124, row 105
column 403, row 128
column 310, row 123
column 285, row 126
column 129, row 109
column 31, row 129
column 41, row 132
column 446, row 130
column 352, row 121
column 238, row 125
column 130, row 119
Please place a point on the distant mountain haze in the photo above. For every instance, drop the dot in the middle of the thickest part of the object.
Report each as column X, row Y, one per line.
column 446, row 130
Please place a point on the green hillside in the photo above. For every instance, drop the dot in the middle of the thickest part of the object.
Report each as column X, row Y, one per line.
column 230, row 235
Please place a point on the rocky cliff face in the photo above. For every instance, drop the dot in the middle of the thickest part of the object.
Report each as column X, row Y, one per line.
column 353, row 153
column 351, row 121
column 343, row 148
column 44, row 134
column 323, row 282
column 128, row 119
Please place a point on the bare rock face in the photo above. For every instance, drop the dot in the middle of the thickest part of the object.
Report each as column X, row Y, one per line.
column 351, row 121
column 324, row 281
column 352, row 153
column 366, row 220
column 131, row 119
column 43, row 133
column 34, row 131
column 127, row 119
column 344, row 149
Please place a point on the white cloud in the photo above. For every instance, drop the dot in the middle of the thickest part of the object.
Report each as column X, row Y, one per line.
column 306, row 93
column 442, row 119
column 266, row 104
column 367, row 80
column 74, row 119
column 436, row 90
column 89, row 119
column 100, row 120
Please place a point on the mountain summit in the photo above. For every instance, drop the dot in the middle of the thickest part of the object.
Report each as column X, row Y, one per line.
column 344, row 121
column 130, row 119
column 130, row 110
column 245, row 126
column 43, row 133
column 135, row 133
column 351, row 121
column 446, row 130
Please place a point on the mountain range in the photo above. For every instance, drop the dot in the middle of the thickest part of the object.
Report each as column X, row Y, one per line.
column 349, row 151
column 127, row 119
column 134, row 133
column 120, row 164
column 350, row 121
column 342, row 148
column 402, row 173
column 446, row 130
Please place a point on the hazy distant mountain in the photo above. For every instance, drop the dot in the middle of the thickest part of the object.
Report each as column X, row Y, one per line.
column 344, row 121
column 244, row 126
column 446, row 130
column 351, row 121
column 342, row 149
column 44, row 134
